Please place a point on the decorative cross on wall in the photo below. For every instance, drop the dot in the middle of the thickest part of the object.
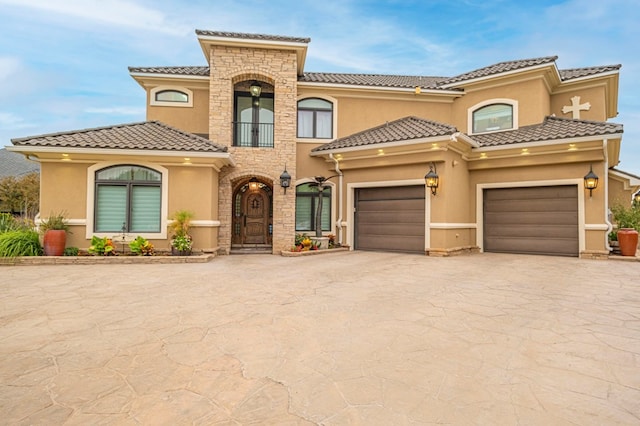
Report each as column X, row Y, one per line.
column 576, row 107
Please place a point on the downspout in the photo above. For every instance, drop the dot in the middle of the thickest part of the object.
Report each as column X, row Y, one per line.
column 339, row 219
column 606, row 196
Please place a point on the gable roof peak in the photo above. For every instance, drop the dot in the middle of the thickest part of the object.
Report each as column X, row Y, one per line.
column 498, row 68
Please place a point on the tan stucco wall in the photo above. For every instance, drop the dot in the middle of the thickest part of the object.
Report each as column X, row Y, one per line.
column 593, row 95
column 193, row 119
column 532, row 97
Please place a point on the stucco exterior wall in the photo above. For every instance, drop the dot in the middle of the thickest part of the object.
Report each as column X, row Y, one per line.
column 532, row 97
column 193, row 119
column 595, row 96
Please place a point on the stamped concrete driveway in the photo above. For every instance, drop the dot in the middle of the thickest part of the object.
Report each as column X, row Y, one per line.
column 339, row 339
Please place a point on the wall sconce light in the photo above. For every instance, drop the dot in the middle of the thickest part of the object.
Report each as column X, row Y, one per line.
column 636, row 199
column 285, row 179
column 253, row 184
column 590, row 180
column 431, row 179
column 255, row 89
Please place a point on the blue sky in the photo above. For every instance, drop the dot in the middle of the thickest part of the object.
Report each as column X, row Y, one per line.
column 63, row 63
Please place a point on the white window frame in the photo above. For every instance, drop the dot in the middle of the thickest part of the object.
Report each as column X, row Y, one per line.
column 474, row 108
column 334, row 118
column 164, row 202
column 155, row 90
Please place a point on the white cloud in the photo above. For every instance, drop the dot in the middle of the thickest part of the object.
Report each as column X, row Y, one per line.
column 123, row 110
column 9, row 66
column 11, row 121
column 121, row 13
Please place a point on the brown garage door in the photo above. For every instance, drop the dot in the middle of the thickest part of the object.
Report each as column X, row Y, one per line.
column 390, row 219
column 535, row 220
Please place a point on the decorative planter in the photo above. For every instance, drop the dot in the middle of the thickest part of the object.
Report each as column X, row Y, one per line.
column 176, row 252
column 628, row 241
column 54, row 242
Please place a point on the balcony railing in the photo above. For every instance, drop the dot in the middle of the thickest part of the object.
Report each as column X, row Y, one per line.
column 257, row 135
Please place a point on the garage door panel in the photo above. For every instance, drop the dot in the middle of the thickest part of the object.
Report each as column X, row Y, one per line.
column 538, row 231
column 557, row 247
column 390, row 219
column 383, row 205
column 533, row 220
column 385, row 217
column 401, row 229
column 532, row 193
column 392, row 243
column 537, row 205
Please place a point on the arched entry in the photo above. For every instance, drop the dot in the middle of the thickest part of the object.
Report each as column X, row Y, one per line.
column 252, row 214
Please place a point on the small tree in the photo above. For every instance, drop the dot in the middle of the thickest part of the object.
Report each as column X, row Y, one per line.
column 20, row 195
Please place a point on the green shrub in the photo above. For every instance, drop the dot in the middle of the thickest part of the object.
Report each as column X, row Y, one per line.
column 626, row 217
column 101, row 246
column 55, row 222
column 71, row 251
column 141, row 246
column 20, row 243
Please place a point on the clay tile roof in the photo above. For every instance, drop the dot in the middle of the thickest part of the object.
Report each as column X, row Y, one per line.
column 148, row 135
column 197, row 71
column 499, row 68
column 569, row 74
column 407, row 128
column 373, row 80
column 247, row 36
column 551, row 128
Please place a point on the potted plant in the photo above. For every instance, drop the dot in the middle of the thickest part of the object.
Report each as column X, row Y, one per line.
column 181, row 241
column 55, row 230
column 628, row 221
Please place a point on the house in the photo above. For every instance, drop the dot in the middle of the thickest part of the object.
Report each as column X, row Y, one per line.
column 506, row 150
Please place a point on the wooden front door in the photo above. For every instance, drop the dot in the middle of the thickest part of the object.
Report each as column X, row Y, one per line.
column 256, row 217
column 252, row 215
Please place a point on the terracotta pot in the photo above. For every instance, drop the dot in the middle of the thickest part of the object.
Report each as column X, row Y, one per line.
column 54, row 242
column 628, row 241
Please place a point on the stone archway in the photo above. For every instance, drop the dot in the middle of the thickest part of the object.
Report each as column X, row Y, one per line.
column 252, row 214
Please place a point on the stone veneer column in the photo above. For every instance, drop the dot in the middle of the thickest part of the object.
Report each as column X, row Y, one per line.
column 230, row 65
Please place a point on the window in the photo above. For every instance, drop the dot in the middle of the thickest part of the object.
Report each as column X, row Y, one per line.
column 306, row 200
column 171, row 96
column 128, row 196
column 315, row 118
column 493, row 117
column 253, row 125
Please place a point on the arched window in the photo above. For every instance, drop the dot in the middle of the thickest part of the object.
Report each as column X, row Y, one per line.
column 493, row 117
column 127, row 197
column 306, row 202
column 315, row 118
column 171, row 96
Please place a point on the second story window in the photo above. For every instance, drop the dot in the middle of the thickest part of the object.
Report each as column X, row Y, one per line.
column 315, row 118
column 171, row 96
column 492, row 118
column 253, row 118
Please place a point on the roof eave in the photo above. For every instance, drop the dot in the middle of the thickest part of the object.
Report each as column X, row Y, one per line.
column 25, row 149
column 411, row 90
column 299, row 47
column 432, row 139
column 462, row 83
column 530, row 144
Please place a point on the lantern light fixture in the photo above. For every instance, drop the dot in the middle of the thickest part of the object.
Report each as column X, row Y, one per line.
column 590, row 181
column 431, row 179
column 253, row 184
column 285, row 179
column 255, row 89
